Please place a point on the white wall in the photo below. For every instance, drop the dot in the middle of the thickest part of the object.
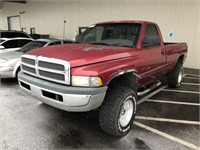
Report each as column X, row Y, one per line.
column 1, row 19
column 180, row 16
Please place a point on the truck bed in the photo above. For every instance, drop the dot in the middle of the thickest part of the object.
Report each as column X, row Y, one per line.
column 181, row 47
column 169, row 44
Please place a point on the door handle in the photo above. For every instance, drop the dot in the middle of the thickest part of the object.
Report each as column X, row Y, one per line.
column 162, row 52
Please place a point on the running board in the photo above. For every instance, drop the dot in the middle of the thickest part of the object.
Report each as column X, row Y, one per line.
column 149, row 89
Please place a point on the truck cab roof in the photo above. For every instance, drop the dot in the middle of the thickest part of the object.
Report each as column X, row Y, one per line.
column 126, row 21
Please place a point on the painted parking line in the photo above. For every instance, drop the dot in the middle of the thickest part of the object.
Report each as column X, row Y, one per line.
column 172, row 102
column 190, row 84
column 191, row 77
column 174, row 96
column 168, row 111
column 146, row 98
column 181, row 91
column 194, row 75
column 191, row 80
column 150, row 95
column 194, row 88
column 177, row 140
column 168, row 120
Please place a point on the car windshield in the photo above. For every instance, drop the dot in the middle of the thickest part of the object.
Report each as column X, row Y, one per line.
column 31, row 45
column 114, row 34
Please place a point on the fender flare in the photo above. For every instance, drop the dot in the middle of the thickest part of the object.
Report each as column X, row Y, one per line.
column 178, row 58
column 133, row 81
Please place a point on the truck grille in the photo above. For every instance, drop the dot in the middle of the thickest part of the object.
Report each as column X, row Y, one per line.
column 52, row 69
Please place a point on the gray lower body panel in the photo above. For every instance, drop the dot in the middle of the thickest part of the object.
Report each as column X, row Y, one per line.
column 77, row 99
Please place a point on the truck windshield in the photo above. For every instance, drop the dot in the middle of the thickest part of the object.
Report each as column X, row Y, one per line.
column 114, row 34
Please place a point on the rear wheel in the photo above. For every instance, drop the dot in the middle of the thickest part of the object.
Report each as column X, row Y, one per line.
column 118, row 111
column 176, row 76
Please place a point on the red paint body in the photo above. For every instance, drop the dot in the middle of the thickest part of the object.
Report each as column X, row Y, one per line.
column 107, row 61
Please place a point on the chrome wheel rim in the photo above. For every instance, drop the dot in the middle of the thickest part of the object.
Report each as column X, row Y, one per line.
column 180, row 76
column 126, row 112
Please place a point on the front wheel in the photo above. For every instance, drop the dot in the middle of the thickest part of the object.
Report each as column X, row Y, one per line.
column 118, row 111
column 17, row 72
column 176, row 76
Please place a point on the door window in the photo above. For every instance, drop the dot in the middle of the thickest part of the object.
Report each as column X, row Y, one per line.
column 151, row 36
column 15, row 43
column 11, row 44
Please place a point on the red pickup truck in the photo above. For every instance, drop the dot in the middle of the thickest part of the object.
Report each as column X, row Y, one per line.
column 107, row 68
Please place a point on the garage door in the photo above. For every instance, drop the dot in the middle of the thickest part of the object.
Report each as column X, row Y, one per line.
column 14, row 23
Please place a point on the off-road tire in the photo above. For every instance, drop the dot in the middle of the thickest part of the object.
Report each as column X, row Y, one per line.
column 109, row 113
column 175, row 77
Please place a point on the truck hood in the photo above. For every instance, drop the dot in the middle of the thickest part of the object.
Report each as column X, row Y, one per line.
column 83, row 54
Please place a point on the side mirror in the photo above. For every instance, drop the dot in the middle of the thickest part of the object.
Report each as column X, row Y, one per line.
column 77, row 36
column 1, row 47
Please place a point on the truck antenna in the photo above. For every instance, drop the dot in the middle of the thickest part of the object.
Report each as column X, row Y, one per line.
column 64, row 30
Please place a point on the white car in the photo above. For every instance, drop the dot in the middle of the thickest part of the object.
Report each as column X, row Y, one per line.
column 10, row 61
column 12, row 44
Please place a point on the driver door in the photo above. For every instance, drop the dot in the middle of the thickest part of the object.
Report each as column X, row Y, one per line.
column 153, row 53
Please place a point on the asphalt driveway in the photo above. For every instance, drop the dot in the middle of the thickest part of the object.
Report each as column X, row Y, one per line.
column 166, row 119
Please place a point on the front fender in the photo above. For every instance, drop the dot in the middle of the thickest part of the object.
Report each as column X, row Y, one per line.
column 106, row 70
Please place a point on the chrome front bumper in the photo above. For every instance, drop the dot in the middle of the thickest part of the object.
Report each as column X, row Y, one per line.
column 77, row 99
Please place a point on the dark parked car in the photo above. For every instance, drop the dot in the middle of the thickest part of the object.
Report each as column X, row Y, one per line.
column 13, row 34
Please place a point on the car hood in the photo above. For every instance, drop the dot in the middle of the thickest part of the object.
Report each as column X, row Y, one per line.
column 83, row 54
column 11, row 55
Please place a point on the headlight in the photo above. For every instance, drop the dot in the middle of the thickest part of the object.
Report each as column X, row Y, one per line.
column 86, row 81
column 4, row 68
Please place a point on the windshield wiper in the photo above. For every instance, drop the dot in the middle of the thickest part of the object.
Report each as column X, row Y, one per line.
column 121, row 45
column 100, row 43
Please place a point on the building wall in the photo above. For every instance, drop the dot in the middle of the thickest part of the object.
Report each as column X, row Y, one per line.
column 47, row 16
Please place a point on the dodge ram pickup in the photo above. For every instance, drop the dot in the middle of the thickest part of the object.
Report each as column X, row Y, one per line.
column 107, row 68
